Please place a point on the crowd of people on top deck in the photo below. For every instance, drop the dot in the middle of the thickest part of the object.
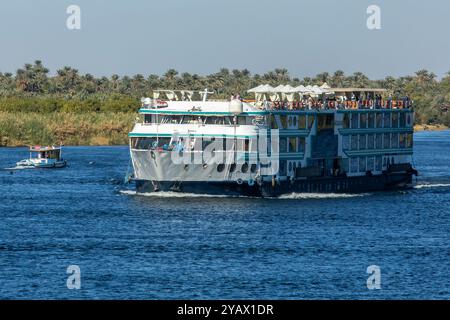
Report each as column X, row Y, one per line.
column 368, row 101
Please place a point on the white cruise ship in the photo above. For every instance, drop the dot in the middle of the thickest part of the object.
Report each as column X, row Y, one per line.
column 304, row 139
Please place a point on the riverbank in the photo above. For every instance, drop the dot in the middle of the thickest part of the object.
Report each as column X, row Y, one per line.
column 428, row 127
column 90, row 128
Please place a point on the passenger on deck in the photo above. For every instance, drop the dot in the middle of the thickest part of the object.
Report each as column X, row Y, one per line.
column 179, row 146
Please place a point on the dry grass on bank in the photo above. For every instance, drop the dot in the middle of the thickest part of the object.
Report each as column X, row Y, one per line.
column 20, row 129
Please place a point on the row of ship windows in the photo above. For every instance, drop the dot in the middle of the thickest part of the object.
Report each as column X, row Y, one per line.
column 369, row 163
column 199, row 120
column 377, row 120
column 352, row 165
column 377, row 141
column 350, row 121
column 292, row 144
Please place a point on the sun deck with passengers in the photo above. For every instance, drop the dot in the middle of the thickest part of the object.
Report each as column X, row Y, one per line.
column 304, row 139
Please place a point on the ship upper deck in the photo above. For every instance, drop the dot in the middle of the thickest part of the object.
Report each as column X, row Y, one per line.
column 280, row 99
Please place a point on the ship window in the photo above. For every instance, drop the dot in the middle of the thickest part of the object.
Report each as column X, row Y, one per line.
column 187, row 119
column 273, row 122
column 402, row 140
column 363, row 120
column 395, row 120
column 378, row 163
column 362, row 164
column 283, row 121
column 402, row 119
column 228, row 120
column 310, row 121
column 362, row 141
column 148, row 118
column 282, row 171
column 371, row 122
column 241, row 120
column 386, row 141
column 302, row 122
column 294, row 121
column 345, row 142
column 244, row 167
column 214, row 120
column 253, row 168
column 409, row 140
column 292, row 144
column 370, row 141
column 143, row 143
column 354, row 120
column 164, row 143
column 378, row 141
column 408, row 119
column 353, row 164
column 370, row 164
column 379, row 120
column 232, row 167
column 283, row 145
column 301, row 145
column 220, row 167
column 174, row 119
column 394, row 140
column 354, row 142
column 387, row 120
column 344, row 165
column 346, row 121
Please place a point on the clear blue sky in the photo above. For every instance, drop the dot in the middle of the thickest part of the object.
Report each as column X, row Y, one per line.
column 201, row 36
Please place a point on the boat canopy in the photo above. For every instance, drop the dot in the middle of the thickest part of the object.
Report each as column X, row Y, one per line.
column 287, row 92
column 350, row 90
column 44, row 148
column 181, row 95
column 282, row 92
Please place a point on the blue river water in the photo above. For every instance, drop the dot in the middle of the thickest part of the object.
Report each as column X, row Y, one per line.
column 170, row 246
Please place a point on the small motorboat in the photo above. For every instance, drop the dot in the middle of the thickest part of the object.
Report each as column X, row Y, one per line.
column 43, row 157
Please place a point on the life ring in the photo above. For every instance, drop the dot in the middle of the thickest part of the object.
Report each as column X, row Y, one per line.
column 240, row 181
column 251, row 182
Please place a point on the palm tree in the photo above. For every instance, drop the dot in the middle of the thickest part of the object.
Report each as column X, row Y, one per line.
column 170, row 78
column 338, row 79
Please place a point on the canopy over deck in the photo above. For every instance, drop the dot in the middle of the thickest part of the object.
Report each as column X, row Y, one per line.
column 342, row 90
column 44, row 148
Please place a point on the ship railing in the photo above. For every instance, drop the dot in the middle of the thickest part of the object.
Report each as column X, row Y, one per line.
column 337, row 105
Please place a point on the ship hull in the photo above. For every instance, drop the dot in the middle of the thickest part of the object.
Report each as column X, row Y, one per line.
column 360, row 184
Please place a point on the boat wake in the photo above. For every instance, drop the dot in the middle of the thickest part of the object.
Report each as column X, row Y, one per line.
column 291, row 196
column 431, row 185
column 322, row 195
column 171, row 194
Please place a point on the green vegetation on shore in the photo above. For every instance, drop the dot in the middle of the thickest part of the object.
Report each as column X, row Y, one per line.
column 72, row 108
column 89, row 128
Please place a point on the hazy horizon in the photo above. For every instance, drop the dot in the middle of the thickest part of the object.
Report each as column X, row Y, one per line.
column 201, row 37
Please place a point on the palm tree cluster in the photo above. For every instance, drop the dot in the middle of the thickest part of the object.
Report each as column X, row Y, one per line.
column 68, row 90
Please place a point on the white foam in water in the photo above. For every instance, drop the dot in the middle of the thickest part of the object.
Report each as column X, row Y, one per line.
column 170, row 194
column 321, row 195
column 436, row 185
